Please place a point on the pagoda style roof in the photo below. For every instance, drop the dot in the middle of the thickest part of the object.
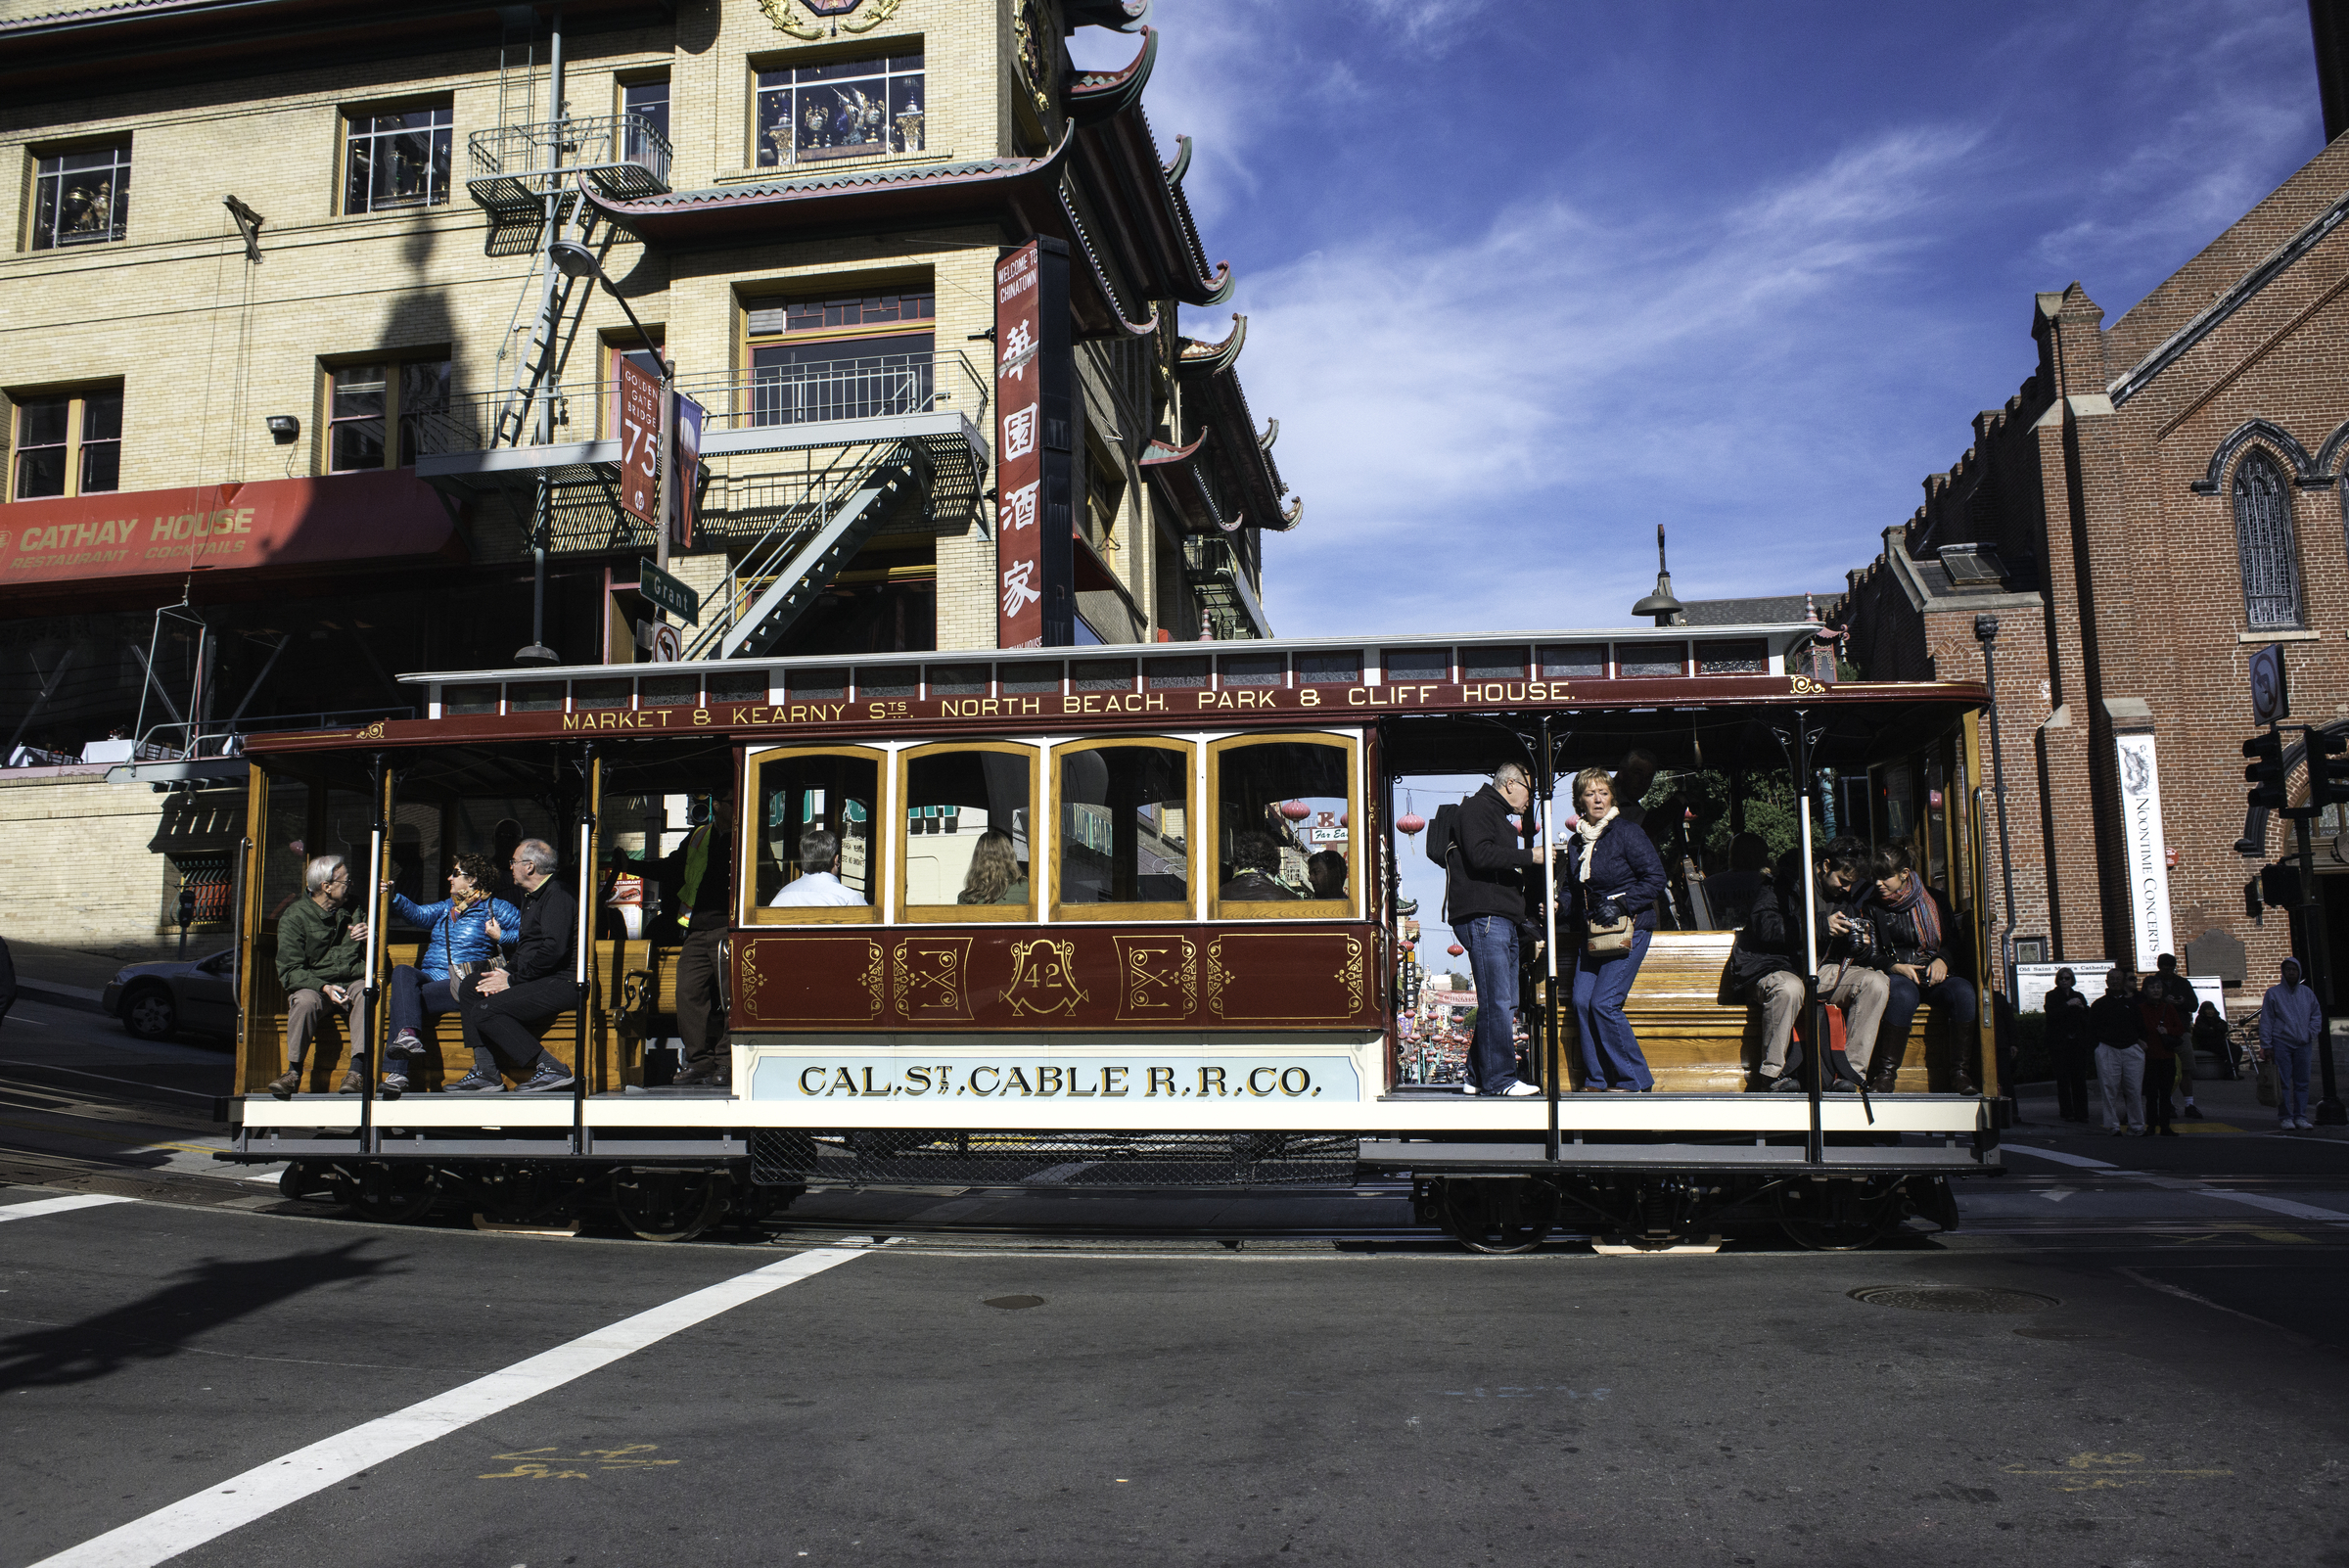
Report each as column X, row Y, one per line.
column 1211, row 399
column 1184, row 482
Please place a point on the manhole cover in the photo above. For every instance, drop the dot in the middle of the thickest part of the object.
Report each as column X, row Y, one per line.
column 1013, row 1304
column 1975, row 1298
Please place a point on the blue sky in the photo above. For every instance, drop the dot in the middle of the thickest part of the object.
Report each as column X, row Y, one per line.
column 1525, row 280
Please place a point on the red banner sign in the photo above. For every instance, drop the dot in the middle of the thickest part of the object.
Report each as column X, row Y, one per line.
column 1019, row 451
column 639, row 403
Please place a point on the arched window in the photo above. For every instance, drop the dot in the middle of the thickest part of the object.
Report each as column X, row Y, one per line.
column 2263, row 542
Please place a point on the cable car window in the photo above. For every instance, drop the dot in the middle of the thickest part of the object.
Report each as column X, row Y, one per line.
column 1124, row 831
column 966, row 811
column 809, row 845
column 1283, row 841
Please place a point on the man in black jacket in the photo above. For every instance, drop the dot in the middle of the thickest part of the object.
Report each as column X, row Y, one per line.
column 1484, row 900
column 505, row 1010
column 1917, row 942
column 693, row 881
column 1766, row 962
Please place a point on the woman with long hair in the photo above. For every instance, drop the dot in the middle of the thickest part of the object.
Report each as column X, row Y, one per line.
column 462, row 932
column 1612, row 875
column 995, row 876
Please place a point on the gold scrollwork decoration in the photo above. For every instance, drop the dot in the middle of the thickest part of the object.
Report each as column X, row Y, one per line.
column 1151, row 972
column 808, row 19
column 1349, row 974
column 374, row 731
column 874, row 969
column 1805, row 686
column 928, row 977
column 1043, row 978
column 1218, row 977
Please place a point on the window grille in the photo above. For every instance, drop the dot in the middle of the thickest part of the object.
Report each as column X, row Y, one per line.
column 2263, row 542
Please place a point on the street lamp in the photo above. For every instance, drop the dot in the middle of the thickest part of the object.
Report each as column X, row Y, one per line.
column 574, row 260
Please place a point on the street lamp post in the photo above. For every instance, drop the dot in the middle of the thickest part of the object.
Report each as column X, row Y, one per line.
column 574, row 260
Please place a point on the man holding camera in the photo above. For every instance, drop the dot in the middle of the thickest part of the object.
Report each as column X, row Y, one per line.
column 1768, row 962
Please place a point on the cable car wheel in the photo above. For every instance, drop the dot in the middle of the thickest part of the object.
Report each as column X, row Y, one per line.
column 668, row 1205
column 1497, row 1218
column 386, row 1192
column 517, row 1192
column 1839, row 1215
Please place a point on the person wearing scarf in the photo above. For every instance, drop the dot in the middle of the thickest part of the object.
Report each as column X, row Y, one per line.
column 1913, row 936
column 1611, row 870
column 461, row 931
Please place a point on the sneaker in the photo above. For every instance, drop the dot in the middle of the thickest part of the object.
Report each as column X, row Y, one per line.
column 1843, row 1085
column 392, row 1087
column 547, row 1080
column 2118, row 1131
column 405, row 1043
column 476, row 1082
column 2194, row 1113
column 1786, row 1083
column 1467, row 1088
column 1519, row 1090
column 353, row 1082
column 2306, row 1125
column 711, row 1069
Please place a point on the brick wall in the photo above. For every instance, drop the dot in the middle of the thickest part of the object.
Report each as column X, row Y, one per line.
column 73, row 855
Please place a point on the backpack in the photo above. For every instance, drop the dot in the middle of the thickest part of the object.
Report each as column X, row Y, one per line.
column 1442, row 831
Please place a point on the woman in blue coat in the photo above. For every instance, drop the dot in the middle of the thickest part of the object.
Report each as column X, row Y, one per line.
column 463, row 932
column 1610, row 870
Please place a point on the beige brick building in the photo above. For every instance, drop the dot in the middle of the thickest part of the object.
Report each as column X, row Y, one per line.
column 282, row 342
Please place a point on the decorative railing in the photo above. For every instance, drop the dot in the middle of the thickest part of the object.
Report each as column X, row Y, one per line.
column 625, row 155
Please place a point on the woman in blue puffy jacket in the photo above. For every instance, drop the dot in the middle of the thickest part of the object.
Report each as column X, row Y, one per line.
column 463, row 932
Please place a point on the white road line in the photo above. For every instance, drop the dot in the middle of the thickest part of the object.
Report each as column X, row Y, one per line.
column 2060, row 1157
column 2283, row 1205
column 42, row 1206
column 263, row 1490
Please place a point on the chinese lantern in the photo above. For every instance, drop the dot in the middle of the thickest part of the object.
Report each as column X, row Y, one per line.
column 1456, row 950
column 1409, row 823
column 1294, row 810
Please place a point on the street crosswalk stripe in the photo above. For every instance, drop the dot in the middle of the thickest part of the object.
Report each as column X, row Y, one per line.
column 264, row 1489
column 41, row 1206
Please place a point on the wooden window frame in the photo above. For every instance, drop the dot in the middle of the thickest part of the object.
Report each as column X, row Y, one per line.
column 77, row 401
column 1219, row 908
column 352, row 115
column 1188, row 750
column 911, row 914
column 395, row 417
column 750, row 835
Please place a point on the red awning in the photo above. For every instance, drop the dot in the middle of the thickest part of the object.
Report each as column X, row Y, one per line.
column 341, row 519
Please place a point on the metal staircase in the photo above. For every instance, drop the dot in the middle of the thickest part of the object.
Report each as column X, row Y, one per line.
column 840, row 507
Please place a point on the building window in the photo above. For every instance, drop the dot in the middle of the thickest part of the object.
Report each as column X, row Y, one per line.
column 397, row 159
column 2263, row 542
column 69, row 444
column 841, row 356
column 649, row 101
column 81, row 198
column 848, row 108
column 382, row 415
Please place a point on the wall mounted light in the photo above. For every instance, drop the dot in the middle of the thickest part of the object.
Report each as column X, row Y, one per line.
column 284, row 428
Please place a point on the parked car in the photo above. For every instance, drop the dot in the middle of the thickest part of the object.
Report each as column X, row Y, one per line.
column 193, row 996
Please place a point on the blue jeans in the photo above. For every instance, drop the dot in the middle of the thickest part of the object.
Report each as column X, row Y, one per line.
column 1491, row 942
column 414, row 1000
column 1610, row 1050
column 2292, row 1063
column 1955, row 999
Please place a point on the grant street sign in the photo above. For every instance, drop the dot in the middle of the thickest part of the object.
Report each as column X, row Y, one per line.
column 668, row 594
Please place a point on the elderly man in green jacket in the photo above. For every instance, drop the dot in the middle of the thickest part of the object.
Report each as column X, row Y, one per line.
column 320, row 958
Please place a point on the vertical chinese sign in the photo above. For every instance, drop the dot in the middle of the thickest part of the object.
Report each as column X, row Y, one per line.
column 639, row 405
column 1035, row 448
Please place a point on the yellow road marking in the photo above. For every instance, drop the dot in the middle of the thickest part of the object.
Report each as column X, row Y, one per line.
column 119, row 1144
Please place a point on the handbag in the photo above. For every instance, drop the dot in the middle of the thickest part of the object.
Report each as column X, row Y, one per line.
column 1604, row 940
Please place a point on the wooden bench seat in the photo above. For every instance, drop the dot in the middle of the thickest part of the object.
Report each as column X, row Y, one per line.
column 642, row 981
column 1696, row 1042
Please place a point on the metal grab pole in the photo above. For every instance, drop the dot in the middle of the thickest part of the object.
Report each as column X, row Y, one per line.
column 1556, row 1066
column 1816, row 1146
column 584, row 942
column 361, row 1058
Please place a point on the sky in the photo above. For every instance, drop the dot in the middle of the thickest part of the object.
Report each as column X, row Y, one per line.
column 1525, row 281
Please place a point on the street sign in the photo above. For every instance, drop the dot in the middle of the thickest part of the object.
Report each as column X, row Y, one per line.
column 668, row 644
column 640, row 404
column 668, row 594
column 2270, row 693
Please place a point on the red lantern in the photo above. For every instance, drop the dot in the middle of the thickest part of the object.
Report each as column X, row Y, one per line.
column 1410, row 823
column 1294, row 810
column 1456, row 950
column 1342, row 817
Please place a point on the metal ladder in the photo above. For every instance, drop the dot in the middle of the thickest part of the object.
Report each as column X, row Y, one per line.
column 555, row 325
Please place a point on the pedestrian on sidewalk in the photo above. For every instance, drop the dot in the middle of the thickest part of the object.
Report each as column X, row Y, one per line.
column 2072, row 1042
column 2120, row 1030
column 2291, row 1021
column 2165, row 1041
column 2165, row 983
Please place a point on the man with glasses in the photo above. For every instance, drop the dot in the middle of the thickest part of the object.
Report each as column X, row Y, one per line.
column 1485, row 894
column 505, row 1010
column 320, row 957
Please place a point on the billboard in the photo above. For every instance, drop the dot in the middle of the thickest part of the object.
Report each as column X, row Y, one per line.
column 1034, row 449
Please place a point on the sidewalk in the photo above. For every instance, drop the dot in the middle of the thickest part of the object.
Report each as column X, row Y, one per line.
column 2236, row 1134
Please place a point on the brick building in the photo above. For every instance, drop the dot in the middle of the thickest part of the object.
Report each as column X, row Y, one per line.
column 2162, row 497
column 285, row 341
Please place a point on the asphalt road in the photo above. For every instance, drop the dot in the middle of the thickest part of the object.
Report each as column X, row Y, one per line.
column 204, row 1372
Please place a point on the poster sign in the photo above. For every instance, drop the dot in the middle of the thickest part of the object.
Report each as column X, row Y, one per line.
column 2148, row 856
column 640, row 404
column 690, row 416
column 2032, row 982
column 1035, row 448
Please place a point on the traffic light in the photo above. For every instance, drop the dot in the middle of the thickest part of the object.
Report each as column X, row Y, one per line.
column 2328, row 769
column 2280, row 887
column 2266, row 772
